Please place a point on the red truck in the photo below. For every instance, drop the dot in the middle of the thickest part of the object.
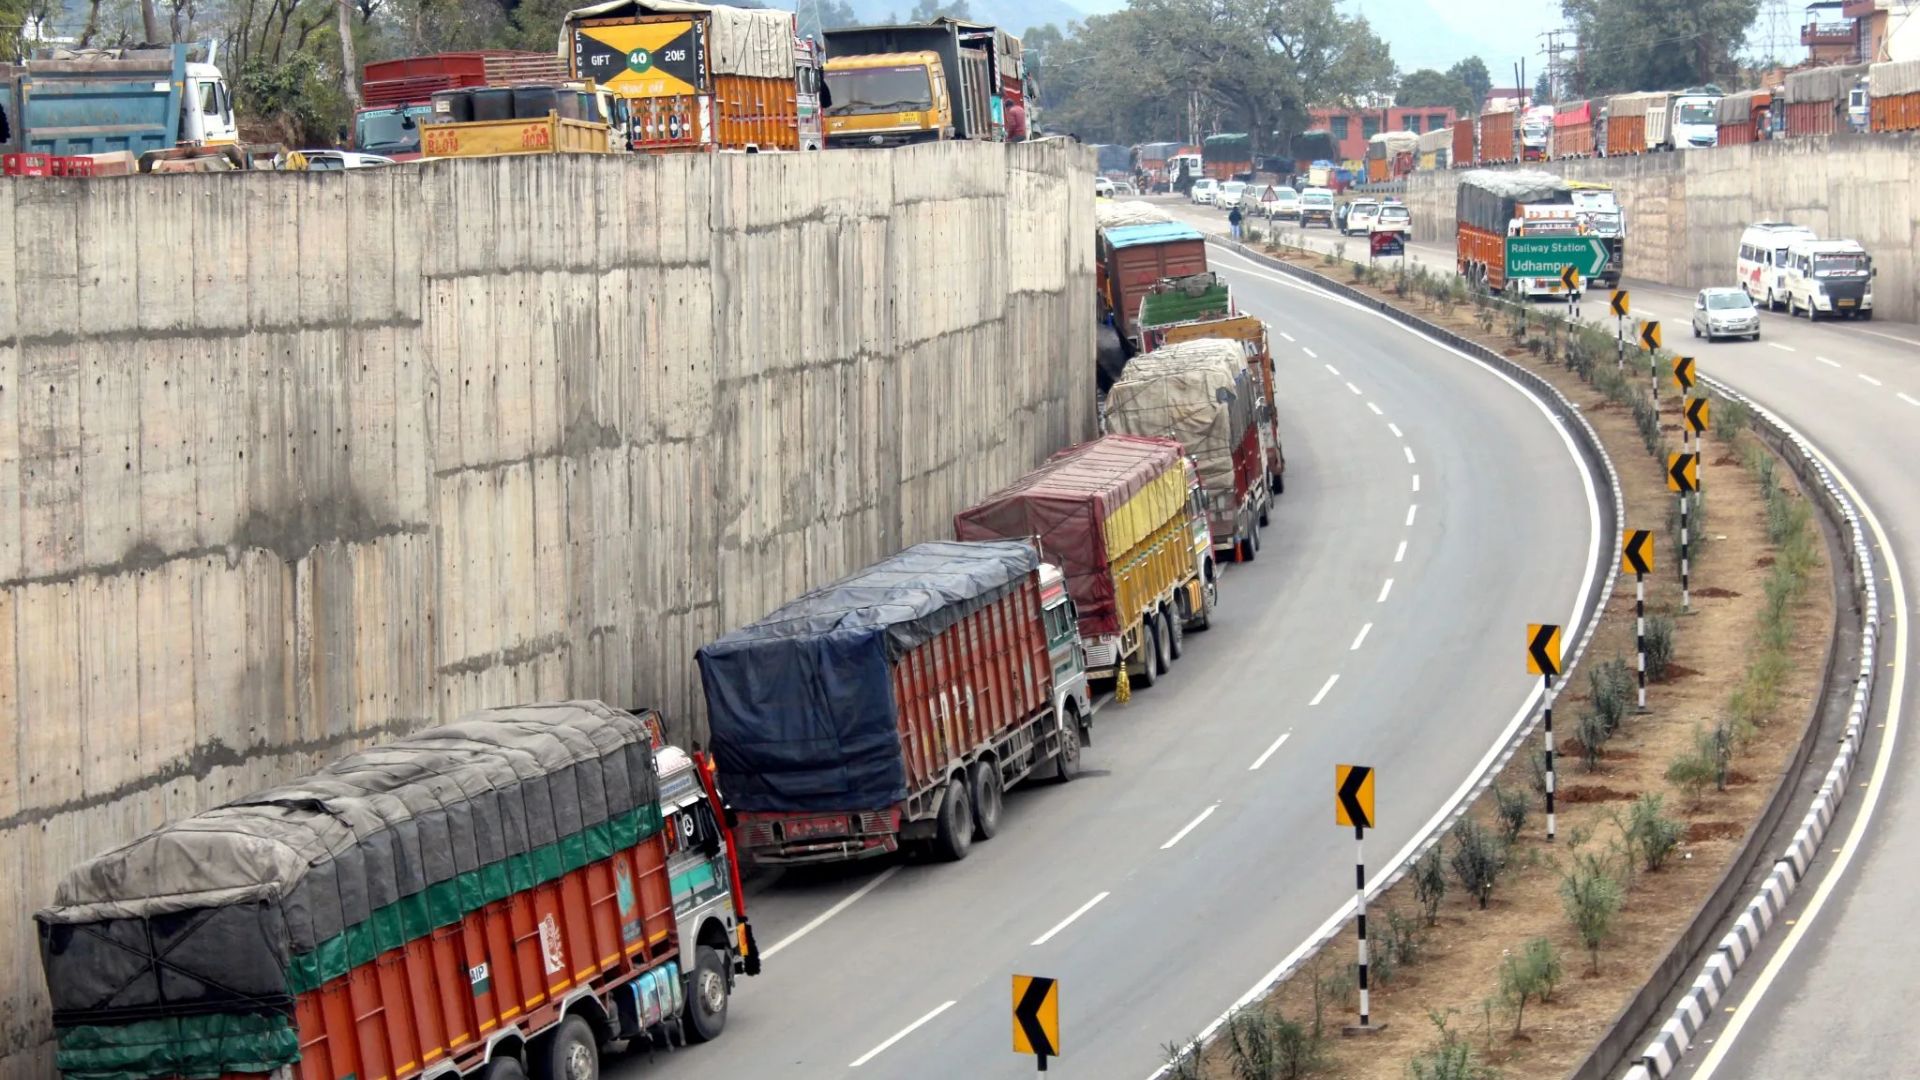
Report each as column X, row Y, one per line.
column 896, row 706
column 508, row 893
column 1131, row 259
column 398, row 94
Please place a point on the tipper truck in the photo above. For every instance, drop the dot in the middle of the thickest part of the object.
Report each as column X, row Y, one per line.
column 399, row 93
column 142, row 104
column 1490, row 205
column 894, row 85
column 1116, row 514
column 1202, row 394
column 508, row 892
column 895, row 706
column 700, row 76
column 1131, row 259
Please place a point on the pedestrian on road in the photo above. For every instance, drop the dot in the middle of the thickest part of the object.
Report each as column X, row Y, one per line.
column 1233, row 221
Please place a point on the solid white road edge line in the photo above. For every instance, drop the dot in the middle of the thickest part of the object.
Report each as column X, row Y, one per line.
column 1876, row 785
column 1322, row 695
column 1401, row 553
column 1360, row 637
column 1385, row 588
column 1277, row 744
column 901, row 1034
column 1068, row 921
column 1188, row 827
column 1392, row 865
column 815, row 923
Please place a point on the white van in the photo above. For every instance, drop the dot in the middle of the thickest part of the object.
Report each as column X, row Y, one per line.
column 1762, row 264
column 1829, row 277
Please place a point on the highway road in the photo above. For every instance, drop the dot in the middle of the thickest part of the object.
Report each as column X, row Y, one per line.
column 1830, row 992
column 1431, row 510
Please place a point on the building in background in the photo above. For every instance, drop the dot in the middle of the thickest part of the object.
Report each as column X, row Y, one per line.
column 1352, row 128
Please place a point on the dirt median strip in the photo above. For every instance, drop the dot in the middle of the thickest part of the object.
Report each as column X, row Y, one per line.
column 1512, row 983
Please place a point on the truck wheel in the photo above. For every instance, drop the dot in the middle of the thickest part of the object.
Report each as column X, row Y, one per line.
column 707, row 996
column 954, row 836
column 570, row 1053
column 986, row 799
column 503, row 1068
column 1177, row 629
column 1066, row 764
column 1149, row 653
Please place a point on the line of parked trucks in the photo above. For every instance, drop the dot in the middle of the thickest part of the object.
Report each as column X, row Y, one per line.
column 626, row 76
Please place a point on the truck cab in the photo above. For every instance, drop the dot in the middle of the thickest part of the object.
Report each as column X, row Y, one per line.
column 887, row 99
column 1549, row 219
column 1696, row 121
column 206, row 111
column 700, row 872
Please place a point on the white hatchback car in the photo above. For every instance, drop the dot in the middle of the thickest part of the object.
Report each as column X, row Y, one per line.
column 1204, row 189
column 1725, row 312
column 1228, row 196
column 1360, row 217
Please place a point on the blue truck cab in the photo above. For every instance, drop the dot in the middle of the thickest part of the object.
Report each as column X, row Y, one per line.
column 97, row 101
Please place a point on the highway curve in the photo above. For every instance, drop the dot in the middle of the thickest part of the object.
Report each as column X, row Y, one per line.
column 1431, row 510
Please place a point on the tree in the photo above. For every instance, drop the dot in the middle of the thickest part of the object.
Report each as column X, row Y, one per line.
column 826, row 15
column 1473, row 72
column 349, row 64
column 1430, row 87
column 929, row 10
column 1649, row 45
column 1543, row 89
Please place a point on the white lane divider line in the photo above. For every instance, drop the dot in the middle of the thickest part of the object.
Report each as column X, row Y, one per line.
column 1398, row 555
column 836, row 909
column 1829, row 363
column 1395, row 428
column 1068, row 921
column 1416, row 481
column 1309, row 352
column 1782, row 348
column 1277, row 744
column 1360, row 637
column 1409, row 453
column 1385, row 588
column 1375, row 408
column 1870, row 380
column 1908, row 399
column 1288, row 336
column 1322, row 695
column 1331, row 370
column 901, row 1034
column 1355, row 389
column 1187, row 828
column 1411, row 510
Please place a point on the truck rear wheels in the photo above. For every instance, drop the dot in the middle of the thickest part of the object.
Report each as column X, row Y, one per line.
column 986, row 793
column 953, row 837
column 1149, row 652
column 1176, row 629
column 707, row 996
column 570, row 1053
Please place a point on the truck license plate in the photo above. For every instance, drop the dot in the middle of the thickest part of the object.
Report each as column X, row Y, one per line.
column 1846, row 303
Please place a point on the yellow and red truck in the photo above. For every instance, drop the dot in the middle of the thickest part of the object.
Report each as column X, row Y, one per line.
column 700, row 76
column 507, row 893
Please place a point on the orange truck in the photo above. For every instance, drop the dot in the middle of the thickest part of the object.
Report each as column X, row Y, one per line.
column 1497, row 137
column 1463, row 142
column 699, row 77
column 1894, row 87
column 505, row 894
column 1492, row 204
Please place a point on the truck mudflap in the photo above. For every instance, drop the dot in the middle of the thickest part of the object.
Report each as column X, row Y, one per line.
column 749, row 950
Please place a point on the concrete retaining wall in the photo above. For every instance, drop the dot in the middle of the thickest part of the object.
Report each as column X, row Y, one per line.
column 1685, row 211
column 292, row 462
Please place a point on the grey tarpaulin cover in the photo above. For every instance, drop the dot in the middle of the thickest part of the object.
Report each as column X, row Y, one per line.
column 801, row 703
column 1175, row 391
column 756, row 42
column 237, row 909
column 1486, row 198
column 1110, row 213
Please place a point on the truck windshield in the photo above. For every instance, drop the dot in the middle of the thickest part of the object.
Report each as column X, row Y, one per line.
column 1839, row 265
column 1698, row 112
column 388, row 132
column 874, row 90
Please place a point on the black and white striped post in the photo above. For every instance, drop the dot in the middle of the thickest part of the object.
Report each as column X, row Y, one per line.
column 1683, row 477
column 1618, row 302
column 1543, row 659
column 1636, row 558
column 1353, row 806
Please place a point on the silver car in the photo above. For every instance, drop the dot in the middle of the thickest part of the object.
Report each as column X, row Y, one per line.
column 1725, row 312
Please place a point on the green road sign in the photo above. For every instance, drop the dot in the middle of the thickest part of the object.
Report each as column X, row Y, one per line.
column 1546, row 256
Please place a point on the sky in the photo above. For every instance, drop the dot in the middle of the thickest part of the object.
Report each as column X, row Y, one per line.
column 1439, row 33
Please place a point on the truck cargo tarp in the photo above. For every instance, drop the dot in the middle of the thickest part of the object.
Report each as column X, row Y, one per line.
column 801, row 705
column 1158, row 151
column 1067, row 502
column 1736, row 108
column 1894, row 78
column 1388, row 143
column 1126, row 236
column 1122, row 213
column 1112, row 157
column 1164, row 307
column 1824, row 84
column 1176, row 391
column 1227, row 148
column 180, row 953
column 754, row 42
column 1486, row 197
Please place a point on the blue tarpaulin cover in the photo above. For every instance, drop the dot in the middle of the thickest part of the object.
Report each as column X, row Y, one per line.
column 800, row 704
